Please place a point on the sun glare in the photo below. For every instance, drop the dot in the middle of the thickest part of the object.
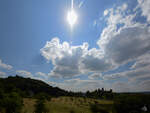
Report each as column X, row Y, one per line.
column 72, row 17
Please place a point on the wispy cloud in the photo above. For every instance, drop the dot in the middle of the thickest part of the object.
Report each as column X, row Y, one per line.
column 81, row 3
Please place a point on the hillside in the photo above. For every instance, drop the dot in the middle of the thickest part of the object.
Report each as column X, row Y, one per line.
column 29, row 86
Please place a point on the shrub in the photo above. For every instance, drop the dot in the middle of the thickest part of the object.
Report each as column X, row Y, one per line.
column 72, row 111
column 11, row 103
column 40, row 106
column 95, row 108
column 130, row 103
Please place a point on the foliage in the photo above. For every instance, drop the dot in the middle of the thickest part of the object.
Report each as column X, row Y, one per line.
column 100, row 94
column 95, row 108
column 43, row 96
column 72, row 111
column 131, row 103
column 28, row 87
column 10, row 103
column 40, row 106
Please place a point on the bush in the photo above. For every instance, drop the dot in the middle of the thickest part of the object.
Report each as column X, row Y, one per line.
column 130, row 103
column 43, row 96
column 40, row 106
column 11, row 103
column 72, row 111
column 95, row 108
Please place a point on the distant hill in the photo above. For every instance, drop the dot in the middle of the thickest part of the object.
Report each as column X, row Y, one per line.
column 29, row 86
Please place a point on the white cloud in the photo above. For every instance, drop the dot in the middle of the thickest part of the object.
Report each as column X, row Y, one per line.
column 40, row 74
column 95, row 76
column 145, row 7
column 142, row 61
column 5, row 66
column 64, row 57
column 81, row 3
column 133, row 79
column 113, row 76
column 71, row 61
column 94, row 61
column 81, row 85
column 123, row 40
column 128, row 45
column 120, row 86
column 132, row 75
column 24, row 73
column 106, row 12
column 145, row 85
column 120, row 38
column 2, row 74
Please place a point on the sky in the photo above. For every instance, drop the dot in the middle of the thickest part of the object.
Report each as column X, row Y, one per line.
column 109, row 46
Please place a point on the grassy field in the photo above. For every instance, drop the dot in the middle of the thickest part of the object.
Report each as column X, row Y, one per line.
column 69, row 105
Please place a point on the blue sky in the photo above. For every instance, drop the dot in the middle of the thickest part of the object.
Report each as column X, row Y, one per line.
column 108, row 47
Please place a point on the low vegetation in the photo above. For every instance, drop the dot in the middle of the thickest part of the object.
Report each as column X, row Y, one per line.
column 68, row 105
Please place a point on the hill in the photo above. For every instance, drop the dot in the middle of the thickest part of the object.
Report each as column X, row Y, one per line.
column 29, row 86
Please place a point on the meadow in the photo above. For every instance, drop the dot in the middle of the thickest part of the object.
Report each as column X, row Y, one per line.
column 68, row 105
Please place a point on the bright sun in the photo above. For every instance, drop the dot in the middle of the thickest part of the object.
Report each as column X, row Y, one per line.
column 72, row 17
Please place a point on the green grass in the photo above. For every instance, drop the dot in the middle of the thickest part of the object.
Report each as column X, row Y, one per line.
column 69, row 105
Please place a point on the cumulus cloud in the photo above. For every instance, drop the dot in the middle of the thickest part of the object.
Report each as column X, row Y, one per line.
column 94, row 61
column 71, row 61
column 123, row 39
column 5, row 66
column 129, row 44
column 64, row 57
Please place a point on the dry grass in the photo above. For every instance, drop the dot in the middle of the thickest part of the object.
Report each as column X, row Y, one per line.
column 66, row 105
